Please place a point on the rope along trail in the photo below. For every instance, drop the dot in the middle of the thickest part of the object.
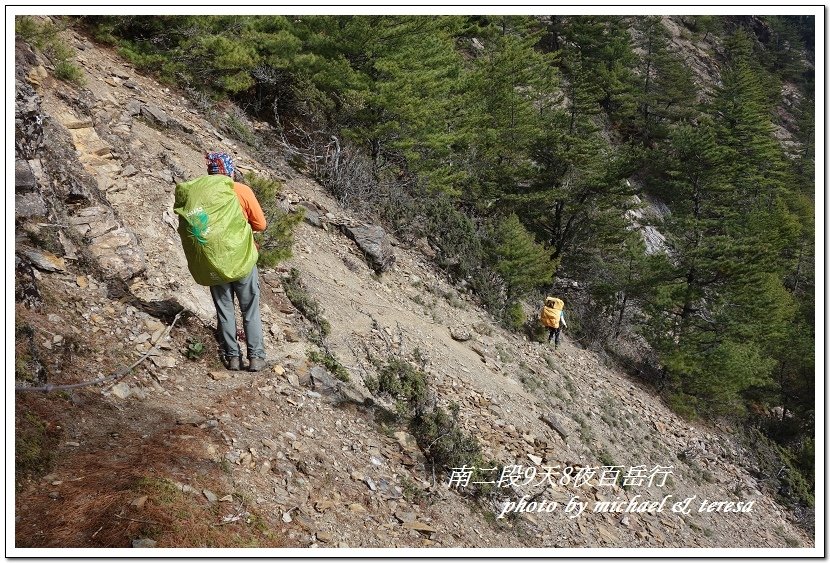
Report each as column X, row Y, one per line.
column 115, row 376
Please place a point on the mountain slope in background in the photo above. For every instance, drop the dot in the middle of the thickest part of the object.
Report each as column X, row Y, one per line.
column 180, row 453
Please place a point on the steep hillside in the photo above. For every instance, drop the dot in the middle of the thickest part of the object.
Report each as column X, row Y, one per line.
column 178, row 452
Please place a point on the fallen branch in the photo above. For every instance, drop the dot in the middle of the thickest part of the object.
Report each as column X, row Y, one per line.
column 115, row 376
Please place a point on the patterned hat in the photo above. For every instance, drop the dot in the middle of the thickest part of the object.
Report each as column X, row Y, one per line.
column 219, row 163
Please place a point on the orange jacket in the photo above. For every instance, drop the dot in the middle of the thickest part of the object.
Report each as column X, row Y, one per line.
column 250, row 206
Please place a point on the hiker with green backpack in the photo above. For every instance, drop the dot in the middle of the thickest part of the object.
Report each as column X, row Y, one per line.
column 217, row 217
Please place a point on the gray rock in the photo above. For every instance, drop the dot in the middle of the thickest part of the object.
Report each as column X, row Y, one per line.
column 404, row 517
column 210, row 495
column 323, row 382
column 134, row 107
column 43, row 260
column 407, row 441
column 24, row 177
column 551, row 421
column 144, row 543
column 78, row 123
column 118, row 254
column 184, row 127
column 129, row 170
column 422, row 527
column 388, row 489
column 461, row 334
column 191, row 420
column 29, row 205
column 374, row 243
column 163, row 361
column 312, row 214
column 28, row 122
column 121, row 390
column 154, row 114
column 93, row 221
column 70, row 251
column 292, row 378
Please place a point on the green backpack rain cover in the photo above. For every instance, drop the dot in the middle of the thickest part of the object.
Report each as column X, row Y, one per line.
column 216, row 237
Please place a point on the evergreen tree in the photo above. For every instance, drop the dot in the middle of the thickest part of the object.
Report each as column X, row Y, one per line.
column 667, row 91
column 509, row 87
column 413, row 108
column 724, row 312
column 424, row 94
column 745, row 128
column 597, row 55
column 523, row 263
column 619, row 282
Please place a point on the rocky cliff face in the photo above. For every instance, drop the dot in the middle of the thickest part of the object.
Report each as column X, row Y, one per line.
column 293, row 456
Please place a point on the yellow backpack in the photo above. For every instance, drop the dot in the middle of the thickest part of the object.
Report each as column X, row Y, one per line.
column 552, row 311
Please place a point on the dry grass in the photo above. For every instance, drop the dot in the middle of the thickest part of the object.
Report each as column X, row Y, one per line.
column 178, row 519
column 126, row 450
column 117, row 464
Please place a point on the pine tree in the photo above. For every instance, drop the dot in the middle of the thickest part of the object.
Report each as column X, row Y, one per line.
column 510, row 85
column 414, row 106
column 619, row 283
column 667, row 90
column 723, row 312
column 743, row 115
column 597, row 55
column 523, row 263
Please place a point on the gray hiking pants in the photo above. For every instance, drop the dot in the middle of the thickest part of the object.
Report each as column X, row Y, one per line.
column 246, row 291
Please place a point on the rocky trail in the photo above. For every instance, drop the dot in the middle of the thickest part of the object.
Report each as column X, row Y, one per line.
column 182, row 453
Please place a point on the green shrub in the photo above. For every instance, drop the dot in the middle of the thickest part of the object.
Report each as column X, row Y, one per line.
column 684, row 405
column 30, row 31
column 330, row 362
column 35, row 445
column 276, row 242
column 437, row 431
column 306, row 304
column 45, row 37
column 402, row 381
column 160, row 64
column 522, row 263
column 443, row 441
column 68, row 71
column 514, row 316
column 195, row 349
column 241, row 130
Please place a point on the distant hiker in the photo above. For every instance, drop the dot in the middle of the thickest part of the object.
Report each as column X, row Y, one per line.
column 553, row 317
column 217, row 217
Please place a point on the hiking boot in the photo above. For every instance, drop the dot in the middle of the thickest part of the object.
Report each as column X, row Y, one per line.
column 234, row 363
column 256, row 364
